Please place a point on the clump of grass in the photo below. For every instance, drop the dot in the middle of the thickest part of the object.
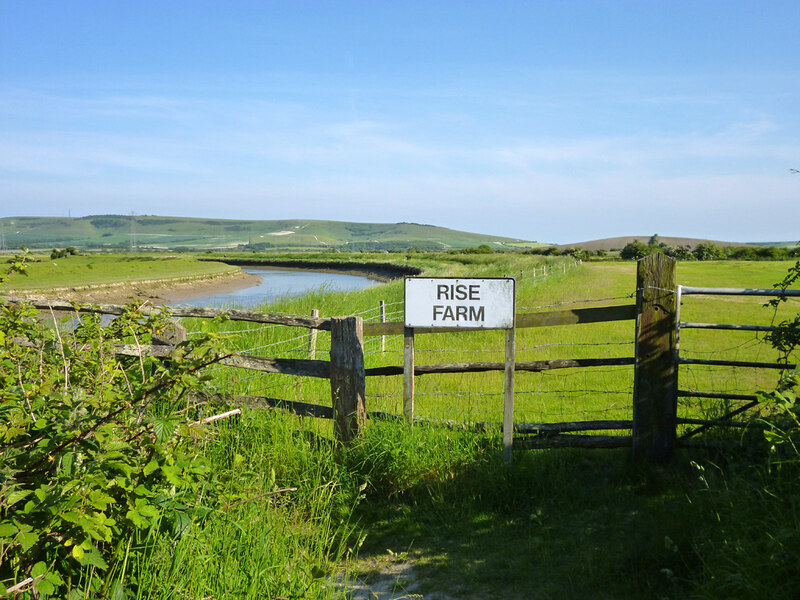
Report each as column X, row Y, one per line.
column 282, row 528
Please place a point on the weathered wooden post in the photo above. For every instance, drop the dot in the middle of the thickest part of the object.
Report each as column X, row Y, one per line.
column 656, row 369
column 408, row 374
column 508, row 394
column 383, row 320
column 312, row 337
column 348, row 381
column 173, row 334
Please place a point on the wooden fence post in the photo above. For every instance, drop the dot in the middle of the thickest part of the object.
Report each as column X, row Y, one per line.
column 173, row 334
column 312, row 337
column 348, row 381
column 656, row 368
column 408, row 374
column 508, row 394
column 383, row 320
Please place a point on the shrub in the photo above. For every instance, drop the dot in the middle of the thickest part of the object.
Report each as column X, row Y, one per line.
column 89, row 450
column 707, row 251
column 635, row 250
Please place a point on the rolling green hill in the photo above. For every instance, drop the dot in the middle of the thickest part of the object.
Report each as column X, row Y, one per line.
column 163, row 233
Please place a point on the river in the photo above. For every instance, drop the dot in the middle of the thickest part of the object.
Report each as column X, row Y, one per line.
column 276, row 283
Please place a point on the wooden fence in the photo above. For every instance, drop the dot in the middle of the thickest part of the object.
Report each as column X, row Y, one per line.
column 656, row 364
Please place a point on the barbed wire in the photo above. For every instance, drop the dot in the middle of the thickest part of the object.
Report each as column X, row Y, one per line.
column 752, row 342
column 232, row 331
column 467, row 394
column 551, row 374
column 586, row 391
column 254, row 348
column 568, row 302
column 554, row 344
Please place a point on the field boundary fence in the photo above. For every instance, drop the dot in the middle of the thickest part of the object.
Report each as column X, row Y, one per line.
column 656, row 362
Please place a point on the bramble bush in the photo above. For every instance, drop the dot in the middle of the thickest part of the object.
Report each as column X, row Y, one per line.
column 784, row 432
column 91, row 450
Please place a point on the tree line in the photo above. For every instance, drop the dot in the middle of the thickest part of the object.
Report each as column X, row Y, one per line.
column 636, row 250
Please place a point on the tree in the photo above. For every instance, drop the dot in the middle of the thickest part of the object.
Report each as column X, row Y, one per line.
column 708, row 251
column 634, row 250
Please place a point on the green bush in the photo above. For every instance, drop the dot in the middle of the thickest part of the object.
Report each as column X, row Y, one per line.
column 635, row 250
column 90, row 452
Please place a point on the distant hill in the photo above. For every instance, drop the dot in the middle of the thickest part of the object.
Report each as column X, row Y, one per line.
column 617, row 243
column 124, row 232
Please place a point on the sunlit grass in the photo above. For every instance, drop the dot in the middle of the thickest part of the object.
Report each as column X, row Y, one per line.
column 103, row 269
column 568, row 394
column 570, row 524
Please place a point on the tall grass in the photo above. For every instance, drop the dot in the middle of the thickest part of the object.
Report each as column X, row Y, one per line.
column 556, row 524
column 283, row 519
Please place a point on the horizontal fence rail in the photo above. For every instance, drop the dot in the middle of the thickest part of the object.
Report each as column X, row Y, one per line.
column 735, row 363
column 286, row 366
column 716, row 395
column 552, row 318
column 685, row 325
column 549, row 428
column 478, row 367
column 689, row 290
column 179, row 311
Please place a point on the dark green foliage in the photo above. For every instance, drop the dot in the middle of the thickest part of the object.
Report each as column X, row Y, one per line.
column 546, row 251
column 654, row 242
column 90, row 451
column 679, row 252
column 482, row 249
column 635, row 250
column 66, row 252
column 787, row 338
column 110, row 222
column 707, row 251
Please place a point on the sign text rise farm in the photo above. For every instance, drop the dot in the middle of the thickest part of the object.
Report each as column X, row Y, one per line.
column 459, row 303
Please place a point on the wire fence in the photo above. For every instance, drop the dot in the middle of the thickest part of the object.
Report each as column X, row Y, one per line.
column 569, row 394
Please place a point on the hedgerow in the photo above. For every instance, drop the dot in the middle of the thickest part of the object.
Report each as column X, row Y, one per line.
column 90, row 449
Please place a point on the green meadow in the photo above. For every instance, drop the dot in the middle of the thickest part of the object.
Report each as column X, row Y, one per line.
column 561, row 395
column 557, row 523
column 43, row 273
column 296, row 516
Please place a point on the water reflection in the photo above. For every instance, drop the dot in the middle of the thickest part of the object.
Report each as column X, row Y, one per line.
column 276, row 283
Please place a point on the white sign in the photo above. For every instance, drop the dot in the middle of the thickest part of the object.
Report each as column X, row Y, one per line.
column 461, row 303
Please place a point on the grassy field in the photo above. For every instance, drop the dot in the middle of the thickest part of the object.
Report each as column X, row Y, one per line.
column 298, row 515
column 565, row 395
column 104, row 269
column 566, row 523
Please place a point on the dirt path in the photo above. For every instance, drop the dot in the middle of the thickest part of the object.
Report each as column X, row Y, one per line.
column 389, row 577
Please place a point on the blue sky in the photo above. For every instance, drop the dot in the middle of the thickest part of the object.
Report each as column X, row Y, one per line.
column 553, row 121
